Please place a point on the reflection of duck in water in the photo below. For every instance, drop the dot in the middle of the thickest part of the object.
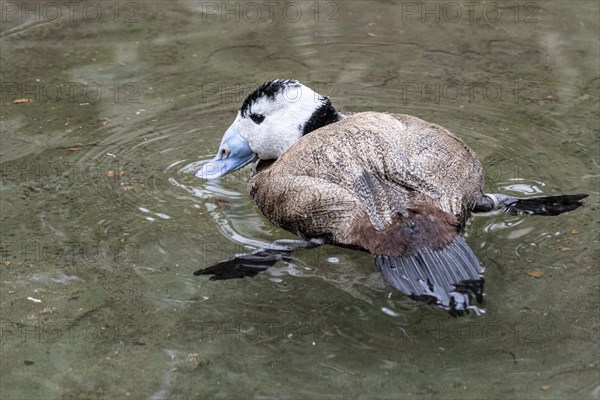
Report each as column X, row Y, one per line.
column 394, row 185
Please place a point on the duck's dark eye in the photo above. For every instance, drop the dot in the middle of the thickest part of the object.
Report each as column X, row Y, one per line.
column 257, row 118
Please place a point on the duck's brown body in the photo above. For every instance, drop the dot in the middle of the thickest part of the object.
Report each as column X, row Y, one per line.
column 394, row 185
column 385, row 183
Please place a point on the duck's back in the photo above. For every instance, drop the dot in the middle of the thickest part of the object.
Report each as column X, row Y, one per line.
column 382, row 166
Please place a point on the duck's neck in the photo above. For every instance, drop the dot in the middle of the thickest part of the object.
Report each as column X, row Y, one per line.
column 324, row 115
column 264, row 165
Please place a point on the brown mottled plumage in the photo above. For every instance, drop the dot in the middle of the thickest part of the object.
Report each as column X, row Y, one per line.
column 357, row 181
column 394, row 185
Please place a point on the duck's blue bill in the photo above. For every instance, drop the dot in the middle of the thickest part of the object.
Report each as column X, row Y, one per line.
column 233, row 153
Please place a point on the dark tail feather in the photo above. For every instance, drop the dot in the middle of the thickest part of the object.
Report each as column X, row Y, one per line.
column 449, row 278
column 549, row 205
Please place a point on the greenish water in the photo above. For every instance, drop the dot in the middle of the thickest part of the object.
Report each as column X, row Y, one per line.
column 101, row 230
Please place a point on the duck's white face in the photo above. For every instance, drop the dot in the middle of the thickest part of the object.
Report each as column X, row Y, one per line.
column 270, row 120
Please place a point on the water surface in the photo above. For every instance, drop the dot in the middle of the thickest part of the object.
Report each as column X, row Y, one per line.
column 102, row 227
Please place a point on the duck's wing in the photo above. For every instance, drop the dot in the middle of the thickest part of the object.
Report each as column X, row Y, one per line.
column 434, row 162
column 383, row 165
column 390, row 185
column 310, row 207
column 390, row 163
